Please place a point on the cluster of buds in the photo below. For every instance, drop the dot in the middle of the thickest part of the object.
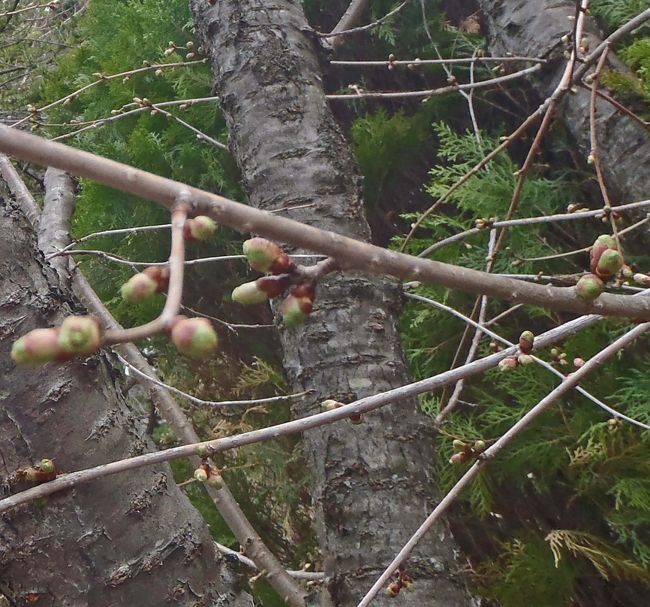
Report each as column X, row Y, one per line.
column 76, row 336
column 194, row 337
column 142, row 286
column 330, row 405
column 465, row 452
column 605, row 261
column 266, row 256
column 42, row 472
column 208, row 474
column 484, row 224
column 526, row 344
column 402, row 580
column 560, row 358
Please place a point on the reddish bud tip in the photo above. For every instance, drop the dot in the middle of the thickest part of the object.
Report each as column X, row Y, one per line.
column 393, row 589
column 274, row 285
column 38, row 347
column 79, row 335
column 589, row 287
column 603, row 243
column 194, row 337
column 508, row 363
column 459, row 458
column 138, row 288
column 160, row 275
column 355, row 418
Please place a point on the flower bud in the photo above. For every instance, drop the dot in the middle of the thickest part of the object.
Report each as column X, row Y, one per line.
column 79, row 335
column 38, row 347
column 215, row 480
column 507, row 363
column 330, row 405
column 609, row 263
column 295, row 310
column 201, row 475
column 266, row 256
column 47, row 466
column 459, row 458
column 160, row 275
column 525, row 359
column 203, row 452
column 138, row 288
column 194, row 337
column 603, row 243
column 249, row 294
column 393, row 589
column 479, row 446
column 355, row 418
column 589, row 287
column 578, row 362
column 526, row 341
column 459, row 445
column 201, row 227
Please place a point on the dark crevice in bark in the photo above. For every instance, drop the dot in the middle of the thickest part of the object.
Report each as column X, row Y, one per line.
column 290, row 149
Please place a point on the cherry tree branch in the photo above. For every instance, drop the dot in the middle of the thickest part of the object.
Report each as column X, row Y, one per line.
column 493, row 451
column 340, row 31
column 349, row 253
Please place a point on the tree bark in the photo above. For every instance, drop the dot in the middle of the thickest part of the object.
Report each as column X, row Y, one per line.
column 130, row 540
column 372, row 483
column 535, row 28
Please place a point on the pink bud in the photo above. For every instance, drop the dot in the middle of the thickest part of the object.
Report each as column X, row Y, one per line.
column 603, row 243
column 589, row 287
column 295, row 310
column 266, row 256
column 38, row 347
column 200, row 228
column 194, row 337
column 609, row 263
column 138, row 288
column 160, row 275
column 508, row 363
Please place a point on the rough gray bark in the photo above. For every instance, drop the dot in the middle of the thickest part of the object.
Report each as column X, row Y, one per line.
column 130, row 540
column 534, row 28
column 372, row 482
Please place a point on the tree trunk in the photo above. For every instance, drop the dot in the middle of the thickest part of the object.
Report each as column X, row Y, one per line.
column 372, row 483
column 534, row 28
column 129, row 540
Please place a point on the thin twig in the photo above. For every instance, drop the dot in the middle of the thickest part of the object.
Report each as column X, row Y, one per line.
column 493, row 451
column 346, row 32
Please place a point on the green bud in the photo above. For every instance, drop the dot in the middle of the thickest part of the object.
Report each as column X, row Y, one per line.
column 603, row 243
column 589, row 287
column 479, row 446
column 610, row 262
column 261, row 253
column 295, row 310
column 138, row 288
column 508, row 363
column 201, row 475
column 79, row 335
column 203, row 451
column 194, row 337
column 249, row 294
column 216, row 481
column 47, row 465
column 200, row 228
column 459, row 445
column 526, row 341
column 525, row 359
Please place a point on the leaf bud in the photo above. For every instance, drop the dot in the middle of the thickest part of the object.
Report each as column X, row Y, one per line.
column 201, row 227
column 194, row 337
column 589, row 287
column 578, row 362
column 37, row 347
column 139, row 287
column 79, row 335
column 526, row 342
column 610, row 262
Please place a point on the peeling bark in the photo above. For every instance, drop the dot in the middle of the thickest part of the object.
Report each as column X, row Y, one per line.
column 372, row 482
column 130, row 540
column 535, row 29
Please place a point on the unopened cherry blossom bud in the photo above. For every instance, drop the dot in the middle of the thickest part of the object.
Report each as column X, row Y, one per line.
column 79, row 335
column 295, row 310
column 194, row 337
column 215, row 480
column 38, row 347
column 330, row 405
column 393, row 589
column 201, row 475
column 459, row 445
column 525, row 359
column 526, row 341
column 249, row 294
column 355, row 418
column 47, row 466
column 138, row 288
column 507, row 363
column 266, row 256
column 459, row 458
column 589, row 287
column 603, row 243
column 610, row 262
column 479, row 446
column 201, row 227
